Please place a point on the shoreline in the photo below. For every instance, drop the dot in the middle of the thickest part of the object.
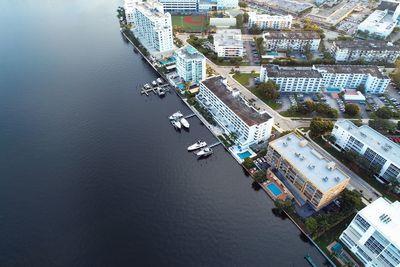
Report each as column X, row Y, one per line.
column 207, row 125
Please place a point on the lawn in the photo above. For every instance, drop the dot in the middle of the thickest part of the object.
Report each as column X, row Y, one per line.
column 190, row 23
column 243, row 78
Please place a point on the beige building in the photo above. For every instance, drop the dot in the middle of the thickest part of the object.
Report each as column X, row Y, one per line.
column 308, row 175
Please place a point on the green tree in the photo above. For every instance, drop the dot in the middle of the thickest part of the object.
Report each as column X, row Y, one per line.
column 384, row 113
column 352, row 110
column 307, row 52
column 382, row 126
column 350, row 200
column 319, row 126
column 239, row 21
column 242, row 4
column 311, row 224
column 269, row 89
column 248, row 163
column 245, row 17
column 254, row 29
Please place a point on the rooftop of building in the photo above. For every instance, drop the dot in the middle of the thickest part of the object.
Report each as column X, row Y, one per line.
column 321, row 172
column 152, row 8
column 302, row 35
column 268, row 16
column 375, row 140
column 385, row 217
column 292, row 72
column 228, row 37
column 376, row 45
column 388, row 5
column 249, row 115
column 189, row 52
column 379, row 19
column 352, row 69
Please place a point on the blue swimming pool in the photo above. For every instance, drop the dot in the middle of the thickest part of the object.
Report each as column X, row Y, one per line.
column 274, row 189
column 333, row 90
column 244, row 155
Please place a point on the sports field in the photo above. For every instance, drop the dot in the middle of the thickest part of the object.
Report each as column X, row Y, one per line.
column 189, row 23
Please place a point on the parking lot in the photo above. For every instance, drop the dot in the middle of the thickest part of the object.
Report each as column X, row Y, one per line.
column 251, row 52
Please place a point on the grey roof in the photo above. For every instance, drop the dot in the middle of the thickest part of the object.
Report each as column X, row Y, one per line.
column 356, row 69
column 388, row 5
column 309, row 162
column 302, row 35
column 249, row 115
column 375, row 45
column 189, row 52
column 276, row 71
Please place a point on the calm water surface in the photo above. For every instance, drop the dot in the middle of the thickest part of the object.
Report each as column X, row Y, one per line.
column 92, row 173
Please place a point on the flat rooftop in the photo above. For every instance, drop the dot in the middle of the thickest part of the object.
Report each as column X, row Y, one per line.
column 152, row 8
column 228, row 37
column 248, row 114
column 261, row 17
column 374, row 45
column 352, row 69
column 388, row 5
column 321, row 172
column 302, row 35
column 189, row 52
column 376, row 141
column 379, row 20
column 389, row 225
column 292, row 72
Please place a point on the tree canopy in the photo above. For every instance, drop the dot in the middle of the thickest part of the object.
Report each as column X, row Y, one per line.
column 269, row 89
column 319, row 126
column 352, row 110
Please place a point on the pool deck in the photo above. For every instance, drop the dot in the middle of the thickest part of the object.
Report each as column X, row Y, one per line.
column 272, row 179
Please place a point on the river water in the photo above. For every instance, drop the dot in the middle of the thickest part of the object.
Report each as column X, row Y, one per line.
column 92, row 173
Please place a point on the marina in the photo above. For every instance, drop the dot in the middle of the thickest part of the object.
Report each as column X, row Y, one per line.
column 158, row 87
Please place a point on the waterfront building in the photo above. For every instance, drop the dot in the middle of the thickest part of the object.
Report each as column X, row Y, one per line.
column 373, row 235
column 233, row 113
column 367, row 50
column 227, row 4
column 306, row 172
column 194, row 6
column 153, row 27
column 294, row 40
column 228, row 43
column 129, row 6
column 190, row 64
column 265, row 21
column 292, row 79
column 382, row 21
column 377, row 149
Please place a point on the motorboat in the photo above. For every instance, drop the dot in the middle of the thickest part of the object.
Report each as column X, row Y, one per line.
column 160, row 91
column 176, row 116
column 147, row 86
column 154, row 83
column 199, row 144
column 185, row 123
column 204, row 152
column 160, row 81
column 176, row 124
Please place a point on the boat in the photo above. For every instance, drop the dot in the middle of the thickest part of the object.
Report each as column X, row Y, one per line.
column 176, row 116
column 199, row 144
column 310, row 261
column 160, row 81
column 185, row 123
column 161, row 92
column 204, row 152
column 147, row 86
column 176, row 124
column 154, row 83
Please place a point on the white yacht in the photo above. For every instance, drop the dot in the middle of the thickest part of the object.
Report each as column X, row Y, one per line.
column 176, row 124
column 176, row 116
column 160, row 81
column 147, row 86
column 185, row 123
column 199, row 144
column 154, row 83
column 204, row 152
column 160, row 91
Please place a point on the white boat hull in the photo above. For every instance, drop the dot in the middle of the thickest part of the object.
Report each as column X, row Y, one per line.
column 197, row 146
column 185, row 123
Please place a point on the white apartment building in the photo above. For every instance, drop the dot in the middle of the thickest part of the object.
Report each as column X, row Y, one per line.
column 180, row 6
column 129, row 6
column 282, row 40
column 292, row 79
column 227, row 4
column 373, row 235
column 233, row 113
column 265, row 21
column 374, row 147
column 308, row 175
column 383, row 20
column 368, row 50
column 228, row 43
column 153, row 27
column 190, row 64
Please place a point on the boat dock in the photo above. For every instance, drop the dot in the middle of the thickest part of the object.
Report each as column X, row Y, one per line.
column 189, row 116
column 215, row 144
column 147, row 90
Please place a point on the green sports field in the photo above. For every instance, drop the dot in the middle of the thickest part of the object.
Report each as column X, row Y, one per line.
column 190, row 23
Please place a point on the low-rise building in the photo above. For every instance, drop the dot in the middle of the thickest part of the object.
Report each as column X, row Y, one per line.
column 378, row 150
column 292, row 79
column 265, row 21
column 373, row 235
column 310, row 175
column 190, row 64
column 234, row 114
column 382, row 21
column 228, row 43
column 294, row 40
column 367, row 50
column 153, row 27
column 194, row 6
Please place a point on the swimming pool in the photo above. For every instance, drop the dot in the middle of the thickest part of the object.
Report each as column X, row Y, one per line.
column 273, row 54
column 274, row 189
column 333, row 90
column 244, row 155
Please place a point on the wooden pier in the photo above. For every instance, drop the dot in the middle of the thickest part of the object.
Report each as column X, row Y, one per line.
column 215, row 144
column 153, row 89
column 190, row 115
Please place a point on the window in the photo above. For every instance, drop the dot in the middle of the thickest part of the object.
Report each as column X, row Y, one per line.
column 361, row 223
